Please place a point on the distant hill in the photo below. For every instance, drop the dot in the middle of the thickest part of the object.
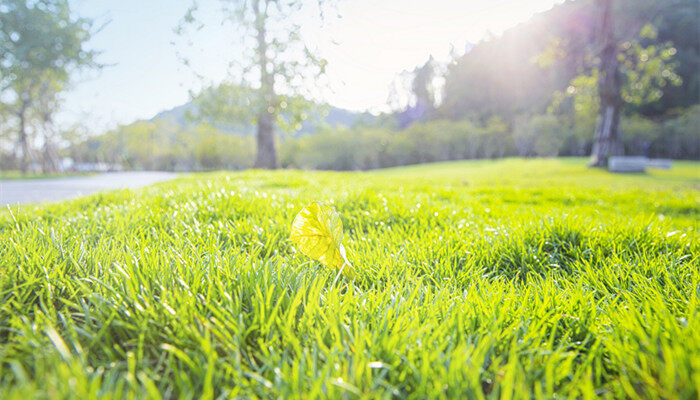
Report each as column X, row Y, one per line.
column 334, row 117
column 176, row 114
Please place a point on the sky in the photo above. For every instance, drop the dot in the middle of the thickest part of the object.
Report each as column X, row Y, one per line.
column 372, row 42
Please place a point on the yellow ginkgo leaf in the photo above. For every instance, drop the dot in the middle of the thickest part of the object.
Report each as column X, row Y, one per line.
column 318, row 232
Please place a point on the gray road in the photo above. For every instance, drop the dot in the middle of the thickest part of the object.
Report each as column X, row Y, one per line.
column 40, row 190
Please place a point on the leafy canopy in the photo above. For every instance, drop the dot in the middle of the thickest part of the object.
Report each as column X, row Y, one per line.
column 646, row 69
column 271, row 69
column 38, row 40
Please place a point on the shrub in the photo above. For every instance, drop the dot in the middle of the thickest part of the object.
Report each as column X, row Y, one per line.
column 540, row 135
column 638, row 134
column 681, row 136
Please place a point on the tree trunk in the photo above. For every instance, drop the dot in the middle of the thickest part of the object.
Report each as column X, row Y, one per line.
column 267, row 154
column 607, row 138
column 50, row 160
column 23, row 142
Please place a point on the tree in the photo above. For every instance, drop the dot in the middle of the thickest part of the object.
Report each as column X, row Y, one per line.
column 629, row 68
column 629, row 72
column 423, row 85
column 517, row 72
column 606, row 138
column 276, row 69
column 41, row 45
column 414, row 93
column 46, row 105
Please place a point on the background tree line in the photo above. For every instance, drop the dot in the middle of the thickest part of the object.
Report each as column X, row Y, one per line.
column 588, row 76
column 42, row 45
column 165, row 145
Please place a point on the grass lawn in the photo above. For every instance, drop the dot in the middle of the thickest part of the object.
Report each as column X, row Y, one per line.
column 536, row 278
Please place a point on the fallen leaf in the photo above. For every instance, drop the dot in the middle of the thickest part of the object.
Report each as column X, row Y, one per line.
column 318, row 232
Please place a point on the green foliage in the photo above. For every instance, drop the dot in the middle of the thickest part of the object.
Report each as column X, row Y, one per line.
column 41, row 45
column 164, row 145
column 475, row 280
column 225, row 103
column 680, row 135
column 37, row 37
column 579, row 100
column 638, row 134
column 276, row 69
column 233, row 106
column 161, row 145
column 517, row 73
column 218, row 150
column 646, row 70
column 540, row 135
column 369, row 148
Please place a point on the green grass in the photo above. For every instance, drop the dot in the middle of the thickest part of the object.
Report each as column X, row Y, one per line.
column 517, row 278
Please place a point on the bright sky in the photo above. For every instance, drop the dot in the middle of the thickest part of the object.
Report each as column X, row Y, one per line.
column 373, row 42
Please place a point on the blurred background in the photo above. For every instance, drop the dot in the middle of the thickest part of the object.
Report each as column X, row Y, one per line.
column 99, row 85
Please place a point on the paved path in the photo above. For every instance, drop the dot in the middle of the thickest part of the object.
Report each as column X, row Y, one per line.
column 23, row 191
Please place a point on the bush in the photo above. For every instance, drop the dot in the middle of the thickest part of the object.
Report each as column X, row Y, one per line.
column 163, row 146
column 638, row 134
column 540, row 135
column 166, row 146
column 681, row 136
column 369, row 148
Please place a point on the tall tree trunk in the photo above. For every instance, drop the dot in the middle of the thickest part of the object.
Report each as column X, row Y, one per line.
column 607, row 138
column 23, row 141
column 50, row 160
column 267, row 153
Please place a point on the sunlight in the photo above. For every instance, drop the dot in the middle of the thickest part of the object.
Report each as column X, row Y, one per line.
column 334, row 199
